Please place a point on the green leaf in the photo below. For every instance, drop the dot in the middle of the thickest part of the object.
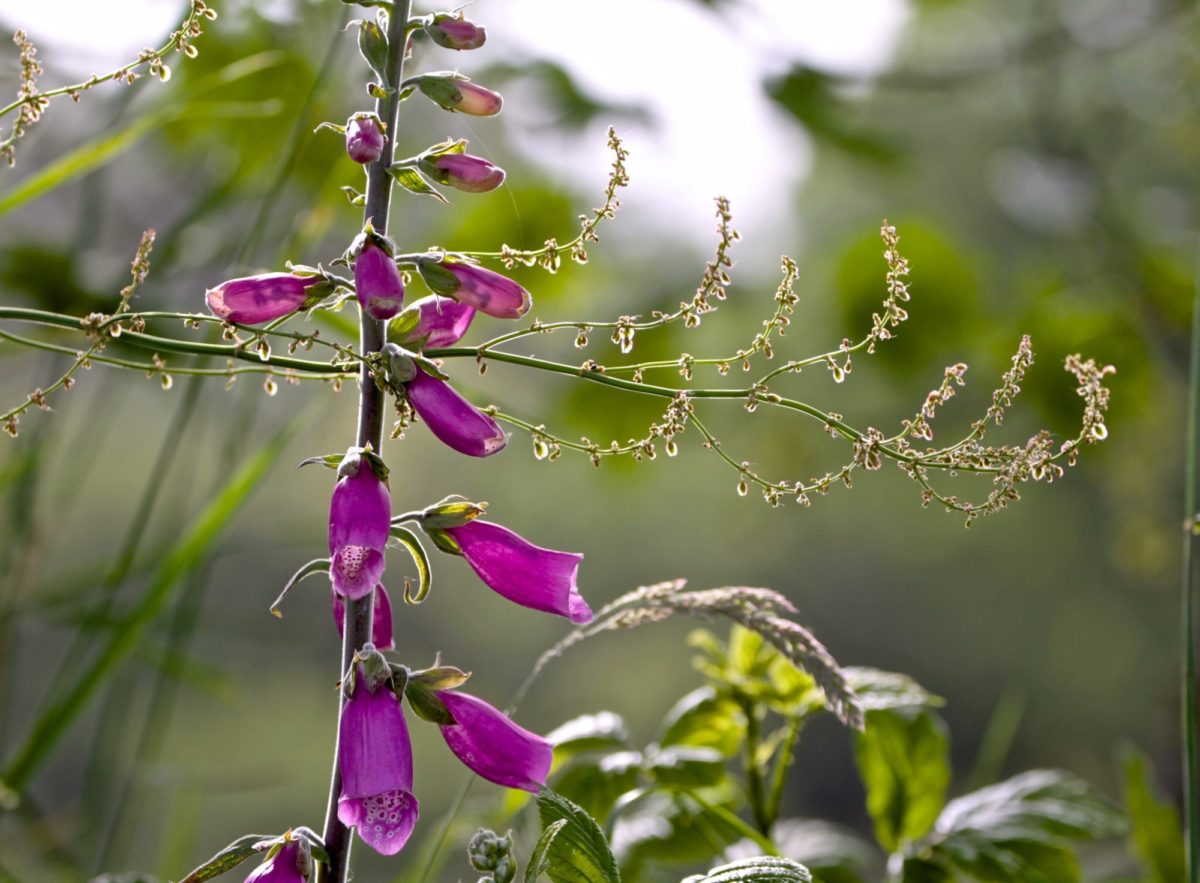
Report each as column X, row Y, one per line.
column 920, row 870
column 229, row 858
column 705, row 719
column 414, row 182
column 677, row 828
column 833, row 854
column 579, row 852
column 373, row 46
column 902, row 760
column 1009, row 861
column 603, row 731
column 878, row 689
column 597, row 783
column 539, row 861
column 764, row 869
column 1155, row 829
column 412, row 543
column 686, row 767
column 181, row 560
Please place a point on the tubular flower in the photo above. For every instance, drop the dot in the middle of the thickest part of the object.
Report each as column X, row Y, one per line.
column 443, row 321
column 493, row 746
column 381, row 618
column 462, row 171
column 252, row 300
column 454, row 93
column 377, row 282
column 364, row 138
column 490, row 293
column 291, row 864
column 541, row 579
column 452, row 32
column 375, row 759
column 359, row 516
column 455, row 421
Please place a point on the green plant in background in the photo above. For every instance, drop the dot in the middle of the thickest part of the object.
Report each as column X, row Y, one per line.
column 710, row 789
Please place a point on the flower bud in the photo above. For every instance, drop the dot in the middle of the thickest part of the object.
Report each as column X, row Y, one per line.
column 253, row 300
column 454, row 93
column 471, row 174
column 364, row 138
column 377, row 282
column 401, row 367
column 453, row 32
column 443, row 321
column 289, row 863
column 488, row 292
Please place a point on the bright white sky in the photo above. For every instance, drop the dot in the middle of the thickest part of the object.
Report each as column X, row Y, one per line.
column 705, row 92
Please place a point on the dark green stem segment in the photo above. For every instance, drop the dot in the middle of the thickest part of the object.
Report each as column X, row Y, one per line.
column 371, row 404
column 1191, row 608
column 756, row 792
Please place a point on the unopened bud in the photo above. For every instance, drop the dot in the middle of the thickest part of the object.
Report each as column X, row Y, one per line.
column 454, row 32
column 471, row 174
column 452, row 92
column 364, row 138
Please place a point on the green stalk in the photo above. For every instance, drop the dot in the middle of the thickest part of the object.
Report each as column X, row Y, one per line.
column 1191, row 594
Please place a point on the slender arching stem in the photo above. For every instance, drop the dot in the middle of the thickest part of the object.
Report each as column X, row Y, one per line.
column 370, row 412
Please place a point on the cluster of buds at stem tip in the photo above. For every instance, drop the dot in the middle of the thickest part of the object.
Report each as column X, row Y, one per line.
column 253, row 300
column 455, row 32
column 454, row 92
column 489, row 292
column 377, row 280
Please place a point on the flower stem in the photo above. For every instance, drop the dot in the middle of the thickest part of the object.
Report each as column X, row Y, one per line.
column 1191, row 607
column 370, row 415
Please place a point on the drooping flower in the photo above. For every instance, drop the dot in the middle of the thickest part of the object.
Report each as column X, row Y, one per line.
column 488, row 292
column 375, row 759
column 455, row 93
column 364, row 138
column 443, row 321
column 462, row 171
column 454, row 32
column 292, row 863
column 381, row 618
column 359, row 516
column 377, row 282
column 455, row 421
column 541, row 579
column 252, row 300
column 488, row 742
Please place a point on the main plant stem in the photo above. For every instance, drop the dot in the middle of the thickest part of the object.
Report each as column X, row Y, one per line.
column 1189, row 712
column 371, row 402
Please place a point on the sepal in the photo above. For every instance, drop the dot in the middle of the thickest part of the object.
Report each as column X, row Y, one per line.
column 427, row 706
column 453, row 511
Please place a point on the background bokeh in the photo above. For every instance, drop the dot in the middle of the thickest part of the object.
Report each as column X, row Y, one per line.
column 1038, row 160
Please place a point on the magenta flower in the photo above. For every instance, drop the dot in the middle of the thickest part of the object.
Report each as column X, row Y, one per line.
column 489, row 292
column 381, row 618
column 455, row 421
column 364, row 138
column 471, row 174
column 375, row 759
column 443, row 321
column 493, row 746
column 252, row 300
column 452, row 92
column 541, row 579
column 377, row 282
column 452, row 32
column 359, row 517
column 289, row 865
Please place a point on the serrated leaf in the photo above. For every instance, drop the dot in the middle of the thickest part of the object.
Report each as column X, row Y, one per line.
column 686, row 767
column 671, row 828
column 229, row 858
column 902, row 760
column 704, row 719
column 1009, row 861
column 539, row 861
column 414, row 182
column 764, row 869
column 579, row 852
column 1156, row 832
column 833, row 854
column 878, row 689
column 603, row 731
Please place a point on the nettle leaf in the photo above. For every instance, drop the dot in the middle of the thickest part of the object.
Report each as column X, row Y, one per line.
column 229, row 857
column 707, row 720
column 764, row 869
column 578, row 852
column 920, row 870
column 878, row 689
column 902, row 760
column 1156, row 832
column 603, row 731
column 686, row 767
column 597, row 783
column 1010, row 861
column 832, row 853
column 657, row 826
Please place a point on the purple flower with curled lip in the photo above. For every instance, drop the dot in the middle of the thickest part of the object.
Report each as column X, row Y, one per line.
column 490, row 744
column 375, row 759
column 541, row 579
column 462, row 171
column 490, row 293
column 364, row 138
column 455, row 421
column 381, row 618
column 377, row 282
column 290, row 864
column 443, row 321
column 252, row 300
column 359, row 516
